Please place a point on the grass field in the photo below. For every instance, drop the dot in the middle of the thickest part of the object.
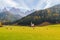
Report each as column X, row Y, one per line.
column 50, row 32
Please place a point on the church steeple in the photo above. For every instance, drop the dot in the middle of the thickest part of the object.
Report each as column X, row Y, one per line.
column 32, row 25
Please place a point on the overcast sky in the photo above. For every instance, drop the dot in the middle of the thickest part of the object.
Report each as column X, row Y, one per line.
column 29, row 4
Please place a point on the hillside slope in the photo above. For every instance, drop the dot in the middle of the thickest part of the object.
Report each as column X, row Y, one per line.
column 51, row 15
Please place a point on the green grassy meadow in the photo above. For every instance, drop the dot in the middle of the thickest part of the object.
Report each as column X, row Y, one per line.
column 50, row 32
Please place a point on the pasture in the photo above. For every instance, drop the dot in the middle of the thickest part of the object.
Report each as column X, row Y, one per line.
column 50, row 32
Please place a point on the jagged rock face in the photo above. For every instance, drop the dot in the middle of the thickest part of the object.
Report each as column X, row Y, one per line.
column 13, row 14
column 7, row 17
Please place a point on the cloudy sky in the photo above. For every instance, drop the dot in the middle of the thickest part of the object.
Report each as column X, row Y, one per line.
column 29, row 4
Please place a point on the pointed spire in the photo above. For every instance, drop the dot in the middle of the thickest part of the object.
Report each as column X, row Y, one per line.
column 32, row 25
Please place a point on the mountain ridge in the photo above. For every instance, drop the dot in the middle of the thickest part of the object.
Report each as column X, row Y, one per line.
column 51, row 15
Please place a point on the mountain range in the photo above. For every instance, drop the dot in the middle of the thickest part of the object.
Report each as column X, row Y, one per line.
column 51, row 15
column 12, row 14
